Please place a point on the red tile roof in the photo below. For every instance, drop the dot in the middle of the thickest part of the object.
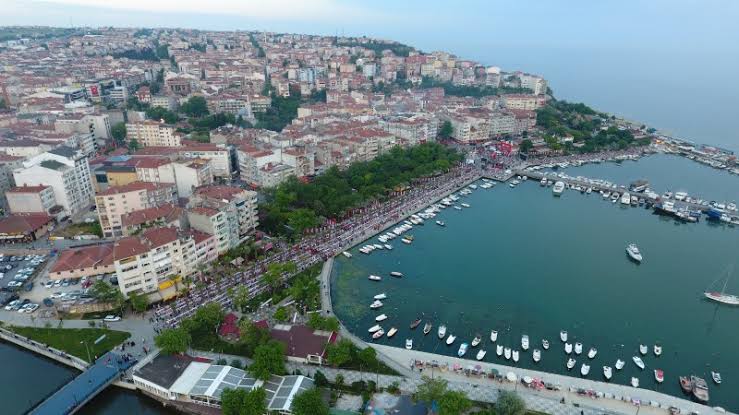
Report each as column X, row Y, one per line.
column 134, row 187
column 23, row 223
column 86, row 257
column 167, row 212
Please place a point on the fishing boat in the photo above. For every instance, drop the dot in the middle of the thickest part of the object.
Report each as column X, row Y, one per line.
column 685, row 384
column 578, row 348
column 441, row 331
column 515, row 356
column 392, row 332
column 440, row 223
column 375, row 328
column 570, row 363
column 381, row 317
column 700, row 388
column 462, row 349
column 376, row 304
column 607, row 372
column 347, row 254
column 620, row 364
column 633, row 252
column 584, row 369
column 558, row 188
column 563, row 335
column 545, row 344
column 525, row 342
column 716, row 376
column 481, row 354
column 722, row 297
column 643, row 349
column 396, row 274
column 380, row 296
column 450, row 339
column 657, row 350
column 507, row 353
column 493, row 336
column 592, row 352
column 476, row 340
column 536, row 355
column 638, row 362
column 408, row 344
column 427, row 328
column 499, row 350
column 375, row 278
column 568, row 348
column 635, row 382
column 659, row 375
column 415, row 323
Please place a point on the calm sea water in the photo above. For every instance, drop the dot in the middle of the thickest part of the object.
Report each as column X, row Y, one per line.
column 524, row 262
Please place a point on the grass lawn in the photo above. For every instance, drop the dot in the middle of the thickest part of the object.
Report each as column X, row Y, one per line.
column 71, row 340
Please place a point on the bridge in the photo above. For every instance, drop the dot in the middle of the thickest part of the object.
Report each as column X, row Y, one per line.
column 72, row 396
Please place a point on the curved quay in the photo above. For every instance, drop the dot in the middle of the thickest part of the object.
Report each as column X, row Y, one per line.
column 409, row 363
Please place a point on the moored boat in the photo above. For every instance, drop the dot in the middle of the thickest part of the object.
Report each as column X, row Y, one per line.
column 584, row 369
column 450, row 339
column 620, row 364
column 525, row 342
column 578, row 348
column 408, row 344
column 635, row 382
column 392, row 332
column 545, row 344
column 515, row 355
column 380, row 296
column 700, row 388
column 657, row 350
column 415, row 323
column 440, row 223
column 570, row 363
column 462, row 349
column 347, row 254
column 396, row 274
column 507, row 353
column 536, row 355
column 643, row 349
column 638, row 362
column 558, row 188
column 592, row 352
column 427, row 328
column 481, row 354
column 375, row 328
column 381, row 317
column 499, row 350
column 659, row 375
column 563, row 335
column 441, row 331
column 607, row 372
column 493, row 336
column 568, row 348
column 376, row 304
column 716, row 376
column 476, row 340
column 685, row 384
column 378, row 334
column 375, row 278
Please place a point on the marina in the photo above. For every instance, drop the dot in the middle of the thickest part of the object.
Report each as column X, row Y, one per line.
column 498, row 295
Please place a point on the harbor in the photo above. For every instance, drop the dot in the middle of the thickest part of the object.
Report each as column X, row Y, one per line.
column 488, row 285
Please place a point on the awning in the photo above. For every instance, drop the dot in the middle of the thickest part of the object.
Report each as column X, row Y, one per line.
column 511, row 376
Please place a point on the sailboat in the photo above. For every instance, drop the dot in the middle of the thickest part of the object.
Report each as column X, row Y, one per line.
column 722, row 297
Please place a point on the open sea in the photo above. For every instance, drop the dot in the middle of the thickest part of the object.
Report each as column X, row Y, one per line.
column 521, row 261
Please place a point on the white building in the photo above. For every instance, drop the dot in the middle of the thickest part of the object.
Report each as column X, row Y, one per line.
column 153, row 134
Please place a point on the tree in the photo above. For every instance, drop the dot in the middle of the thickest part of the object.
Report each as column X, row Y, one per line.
column 3, row 105
column 431, row 390
column 118, row 131
column 339, row 380
column 446, row 130
column 453, row 403
column 255, row 402
column 133, row 144
column 340, row 353
column 252, row 336
column 233, row 400
column 309, row 402
column 320, row 379
column 509, row 403
column 273, row 278
column 138, row 302
column 281, row 314
column 106, row 292
column 172, row 341
column 318, row 322
column 368, row 357
column 195, row 107
column 240, row 298
column 525, row 146
column 269, row 358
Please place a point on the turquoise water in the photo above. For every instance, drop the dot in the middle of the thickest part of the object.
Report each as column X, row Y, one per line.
column 523, row 262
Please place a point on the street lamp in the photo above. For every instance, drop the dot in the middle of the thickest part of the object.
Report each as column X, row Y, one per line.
column 88, row 350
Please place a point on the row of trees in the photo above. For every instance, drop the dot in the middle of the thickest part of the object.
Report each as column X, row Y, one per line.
column 476, row 91
column 254, row 402
column 436, row 391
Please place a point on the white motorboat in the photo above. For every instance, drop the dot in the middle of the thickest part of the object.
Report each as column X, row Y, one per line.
column 536, row 355
column 440, row 223
column 347, row 254
column 625, row 198
column 657, row 350
column 643, row 349
column 380, row 296
column 620, row 364
column 570, row 363
column 634, row 252
column 592, row 352
column 408, row 344
column 545, row 344
column 638, row 362
column 558, row 188
column 563, row 335
column 376, row 304
column 462, row 349
column 635, row 382
column 659, row 375
column 584, row 369
column 481, row 354
column 578, row 348
column 466, row 205
column 396, row 274
column 607, row 372
column 507, row 353
column 716, row 376
column 476, row 340
column 388, row 247
column 493, row 336
column 378, row 246
column 375, row 278
column 407, row 241
column 568, row 348
column 381, row 317
column 499, row 350
column 525, row 342
column 441, row 331
column 375, row 328
column 543, row 182
column 457, row 208
column 392, row 332
column 450, row 339
column 515, row 356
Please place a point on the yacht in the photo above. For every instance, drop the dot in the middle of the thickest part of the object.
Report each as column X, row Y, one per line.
column 375, row 328
column 635, row 382
column 592, row 352
column 568, row 348
column 643, row 349
column 657, row 350
column 620, row 364
column 347, row 254
column 440, row 223
column 396, row 274
column 481, row 354
column 716, row 376
column 570, row 363
column 607, row 372
column 442, row 331
column 376, row 304
column 378, row 334
column 543, row 182
column 476, row 340
column 450, row 339
column 381, row 317
column 638, row 362
column 584, row 369
column 536, row 355
column 375, row 278
column 578, row 348
column 408, row 344
column 427, row 328
column 659, row 375
column 493, row 336
column 625, row 198
column 525, row 342
column 563, row 335
column 634, row 252
column 545, row 344
column 507, row 353
column 462, row 349
column 392, row 332
column 515, row 355
column 499, row 350
column 380, row 296
column 558, row 188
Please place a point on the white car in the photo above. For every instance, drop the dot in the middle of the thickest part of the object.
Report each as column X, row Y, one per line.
column 2, row 275
column 15, row 284
column 58, row 295
column 49, row 284
column 111, row 318
column 30, row 308
column 12, row 304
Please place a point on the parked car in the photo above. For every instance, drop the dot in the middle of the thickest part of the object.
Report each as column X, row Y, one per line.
column 111, row 319
column 28, row 287
column 49, row 284
column 15, row 284
column 48, row 302
column 12, row 304
column 58, row 295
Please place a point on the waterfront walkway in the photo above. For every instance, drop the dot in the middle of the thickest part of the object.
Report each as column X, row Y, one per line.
column 98, row 376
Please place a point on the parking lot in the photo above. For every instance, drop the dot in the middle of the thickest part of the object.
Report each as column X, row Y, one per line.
column 17, row 274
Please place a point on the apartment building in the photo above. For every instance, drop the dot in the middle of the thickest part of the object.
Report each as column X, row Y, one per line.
column 164, row 215
column 115, row 202
column 7, row 165
column 228, row 213
column 524, row 101
column 31, row 199
column 153, row 134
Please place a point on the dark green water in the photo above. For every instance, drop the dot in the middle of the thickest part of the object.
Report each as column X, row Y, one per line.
column 524, row 262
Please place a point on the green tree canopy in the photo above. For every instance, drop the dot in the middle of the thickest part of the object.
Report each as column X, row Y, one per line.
column 341, row 352
column 138, row 302
column 252, row 336
column 453, row 403
column 118, row 131
column 133, row 145
column 446, row 130
column 509, row 403
column 309, row 402
column 275, row 274
column 525, row 146
column 431, row 390
column 269, row 358
column 195, row 107
column 171, row 341
column 159, row 113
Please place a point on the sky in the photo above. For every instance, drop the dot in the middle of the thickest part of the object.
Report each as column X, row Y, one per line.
column 667, row 62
